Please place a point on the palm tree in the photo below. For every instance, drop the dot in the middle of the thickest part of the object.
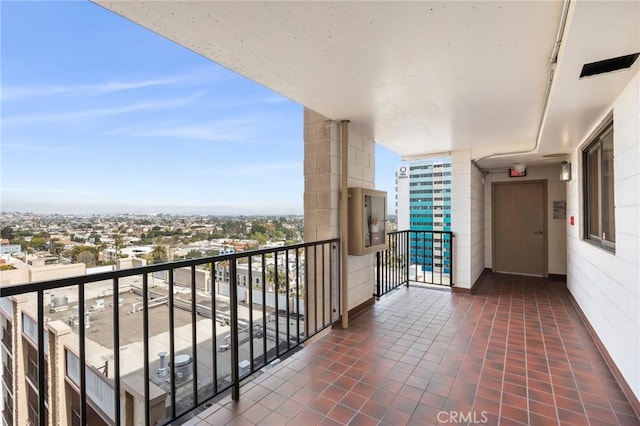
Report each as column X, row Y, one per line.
column 270, row 276
column 159, row 254
column 117, row 241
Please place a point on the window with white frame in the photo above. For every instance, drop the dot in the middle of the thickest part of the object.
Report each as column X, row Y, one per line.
column 599, row 215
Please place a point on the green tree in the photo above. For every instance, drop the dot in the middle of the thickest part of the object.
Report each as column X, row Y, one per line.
column 193, row 254
column 259, row 237
column 20, row 241
column 38, row 243
column 159, row 254
column 6, row 233
column 79, row 249
column 87, row 257
column 56, row 247
column 281, row 278
column 117, row 242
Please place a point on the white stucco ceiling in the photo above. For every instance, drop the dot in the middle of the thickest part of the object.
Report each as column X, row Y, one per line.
column 419, row 77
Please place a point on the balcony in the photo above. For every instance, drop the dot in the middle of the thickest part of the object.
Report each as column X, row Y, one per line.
column 516, row 352
column 169, row 338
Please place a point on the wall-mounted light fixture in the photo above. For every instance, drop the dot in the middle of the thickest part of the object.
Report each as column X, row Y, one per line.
column 565, row 171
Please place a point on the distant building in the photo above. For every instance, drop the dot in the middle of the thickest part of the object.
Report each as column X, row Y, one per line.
column 423, row 195
column 10, row 248
column 423, row 203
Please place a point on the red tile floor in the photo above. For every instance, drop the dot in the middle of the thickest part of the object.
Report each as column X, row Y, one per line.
column 515, row 353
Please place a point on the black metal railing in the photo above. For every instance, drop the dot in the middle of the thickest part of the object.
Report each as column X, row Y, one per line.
column 415, row 256
column 216, row 332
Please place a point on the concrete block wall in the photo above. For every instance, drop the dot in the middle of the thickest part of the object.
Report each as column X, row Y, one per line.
column 606, row 285
column 321, row 177
column 323, row 173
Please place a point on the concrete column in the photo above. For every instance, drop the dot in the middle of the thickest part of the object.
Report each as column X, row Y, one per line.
column 20, row 404
column 59, row 335
column 321, row 205
column 467, row 219
column 322, row 173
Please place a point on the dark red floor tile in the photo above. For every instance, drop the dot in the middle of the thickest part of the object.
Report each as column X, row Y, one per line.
column 341, row 414
column 361, row 419
column 373, row 409
column 514, row 413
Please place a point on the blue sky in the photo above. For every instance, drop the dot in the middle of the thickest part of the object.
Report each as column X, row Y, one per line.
column 100, row 115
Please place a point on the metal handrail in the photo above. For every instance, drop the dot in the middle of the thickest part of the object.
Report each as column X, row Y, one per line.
column 424, row 257
column 314, row 278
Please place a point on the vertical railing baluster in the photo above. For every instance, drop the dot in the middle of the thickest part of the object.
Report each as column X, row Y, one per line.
column 451, row 282
column 378, row 272
column 250, row 299
column 298, row 295
column 305, row 284
column 337, row 258
column 42, row 391
column 194, row 336
column 214, row 328
column 172, row 346
column 441, row 257
column 83, row 357
column 264, row 310
column 287, row 297
column 145, row 342
column 324, row 320
column 315, row 289
column 276, row 285
column 233, row 294
column 408, row 256
column 116, row 350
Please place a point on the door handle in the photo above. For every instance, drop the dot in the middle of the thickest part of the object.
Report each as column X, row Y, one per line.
column 538, row 233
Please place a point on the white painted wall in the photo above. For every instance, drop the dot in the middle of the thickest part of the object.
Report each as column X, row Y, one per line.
column 467, row 217
column 477, row 224
column 607, row 285
column 556, row 191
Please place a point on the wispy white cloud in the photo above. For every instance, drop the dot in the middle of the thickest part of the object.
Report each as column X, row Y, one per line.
column 98, row 112
column 190, row 77
column 243, row 129
column 35, row 148
column 11, row 93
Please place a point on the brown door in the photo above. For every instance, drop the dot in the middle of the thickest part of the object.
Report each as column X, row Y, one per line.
column 519, row 227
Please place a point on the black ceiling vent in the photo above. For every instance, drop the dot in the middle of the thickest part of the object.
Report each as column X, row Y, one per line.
column 608, row 65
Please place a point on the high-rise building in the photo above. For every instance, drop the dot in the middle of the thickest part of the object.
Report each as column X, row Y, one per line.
column 423, row 203
column 423, row 195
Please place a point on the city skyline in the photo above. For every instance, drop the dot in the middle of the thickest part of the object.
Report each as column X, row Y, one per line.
column 100, row 115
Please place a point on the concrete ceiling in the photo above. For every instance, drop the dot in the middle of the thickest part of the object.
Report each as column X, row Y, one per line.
column 420, row 78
